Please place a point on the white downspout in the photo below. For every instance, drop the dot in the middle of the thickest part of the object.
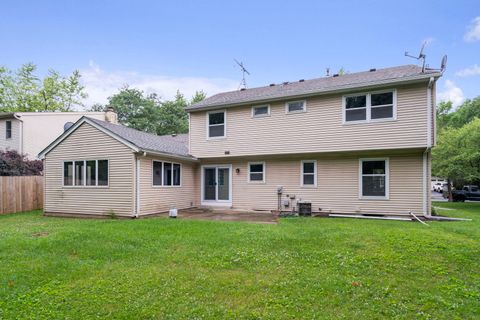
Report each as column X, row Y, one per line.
column 137, row 187
column 20, row 134
column 425, row 185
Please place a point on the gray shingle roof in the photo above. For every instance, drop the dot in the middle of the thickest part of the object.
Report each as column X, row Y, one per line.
column 174, row 145
column 320, row 85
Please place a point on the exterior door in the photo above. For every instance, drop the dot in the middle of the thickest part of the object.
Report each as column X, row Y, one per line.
column 216, row 185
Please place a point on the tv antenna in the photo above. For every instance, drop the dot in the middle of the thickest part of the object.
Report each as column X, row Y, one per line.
column 243, row 84
column 421, row 56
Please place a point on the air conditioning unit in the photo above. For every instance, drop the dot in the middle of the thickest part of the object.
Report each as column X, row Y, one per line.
column 304, row 208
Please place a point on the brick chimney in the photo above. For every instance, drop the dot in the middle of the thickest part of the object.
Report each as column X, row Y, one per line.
column 111, row 116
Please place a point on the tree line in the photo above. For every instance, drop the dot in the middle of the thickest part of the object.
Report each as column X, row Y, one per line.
column 457, row 154
column 23, row 90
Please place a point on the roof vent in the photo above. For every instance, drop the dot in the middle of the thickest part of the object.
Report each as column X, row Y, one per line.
column 335, row 75
column 301, row 80
column 285, row 83
column 272, row 84
column 243, row 89
column 373, row 70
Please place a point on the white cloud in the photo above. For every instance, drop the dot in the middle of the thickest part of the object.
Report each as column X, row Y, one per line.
column 451, row 93
column 473, row 32
column 470, row 71
column 100, row 84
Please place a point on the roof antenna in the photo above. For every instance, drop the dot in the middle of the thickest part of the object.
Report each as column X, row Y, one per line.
column 243, row 84
column 421, row 56
column 328, row 72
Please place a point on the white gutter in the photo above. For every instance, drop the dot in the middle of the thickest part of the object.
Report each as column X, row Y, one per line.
column 429, row 112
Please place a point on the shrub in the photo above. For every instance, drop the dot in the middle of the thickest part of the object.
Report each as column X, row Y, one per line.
column 13, row 163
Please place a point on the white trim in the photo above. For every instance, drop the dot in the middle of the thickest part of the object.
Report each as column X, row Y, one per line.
column 264, row 172
column 202, row 186
column 224, row 125
column 368, row 106
column 260, row 115
column 137, row 188
column 75, row 127
column 84, row 185
column 424, row 183
column 162, row 172
column 296, row 111
column 314, row 185
column 387, row 179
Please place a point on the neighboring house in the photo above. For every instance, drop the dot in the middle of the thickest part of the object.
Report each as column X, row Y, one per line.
column 30, row 132
column 355, row 143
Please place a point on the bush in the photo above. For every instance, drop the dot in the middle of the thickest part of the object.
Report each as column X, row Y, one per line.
column 13, row 163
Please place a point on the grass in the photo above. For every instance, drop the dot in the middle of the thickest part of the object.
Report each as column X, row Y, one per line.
column 301, row 268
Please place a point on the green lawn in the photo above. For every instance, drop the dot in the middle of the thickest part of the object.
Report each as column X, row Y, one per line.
column 301, row 268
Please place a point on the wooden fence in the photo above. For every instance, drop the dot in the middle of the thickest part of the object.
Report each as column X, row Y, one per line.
column 21, row 193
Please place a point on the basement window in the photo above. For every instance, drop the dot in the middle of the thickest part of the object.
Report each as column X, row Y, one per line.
column 256, row 172
column 216, row 124
column 85, row 173
column 374, row 178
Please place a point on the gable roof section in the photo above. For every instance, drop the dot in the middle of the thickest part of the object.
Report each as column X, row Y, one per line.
column 138, row 141
column 358, row 80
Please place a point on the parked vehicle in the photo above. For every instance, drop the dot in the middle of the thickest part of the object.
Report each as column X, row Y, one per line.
column 436, row 182
column 438, row 186
column 467, row 193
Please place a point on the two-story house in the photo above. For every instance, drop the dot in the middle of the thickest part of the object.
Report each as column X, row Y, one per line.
column 357, row 143
column 30, row 132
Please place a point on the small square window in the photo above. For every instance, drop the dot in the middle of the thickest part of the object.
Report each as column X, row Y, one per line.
column 296, row 106
column 260, row 111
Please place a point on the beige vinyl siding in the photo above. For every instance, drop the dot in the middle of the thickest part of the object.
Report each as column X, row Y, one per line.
column 14, row 143
column 320, row 129
column 156, row 199
column 337, row 184
column 40, row 129
column 89, row 143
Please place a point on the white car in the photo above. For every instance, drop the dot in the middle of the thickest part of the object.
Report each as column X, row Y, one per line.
column 438, row 186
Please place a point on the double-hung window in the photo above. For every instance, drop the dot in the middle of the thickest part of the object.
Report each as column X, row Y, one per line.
column 166, row 174
column 366, row 107
column 216, row 124
column 308, row 173
column 256, row 172
column 261, row 111
column 8, row 129
column 374, row 178
column 85, row 173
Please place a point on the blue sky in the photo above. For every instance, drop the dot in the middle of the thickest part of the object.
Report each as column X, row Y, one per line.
column 190, row 45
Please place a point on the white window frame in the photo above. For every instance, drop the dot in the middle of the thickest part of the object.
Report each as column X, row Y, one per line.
column 224, row 124
column 261, row 115
column 84, row 185
column 314, row 185
column 369, row 107
column 387, row 179
column 264, row 172
column 162, row 185
column 297, row 111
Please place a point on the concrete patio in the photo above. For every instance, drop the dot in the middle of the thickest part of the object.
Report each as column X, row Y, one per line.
column 226, row 215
